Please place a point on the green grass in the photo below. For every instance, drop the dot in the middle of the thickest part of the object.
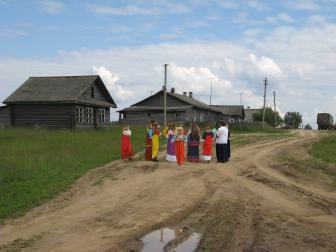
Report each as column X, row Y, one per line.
column 325, row 149
column 36, row 164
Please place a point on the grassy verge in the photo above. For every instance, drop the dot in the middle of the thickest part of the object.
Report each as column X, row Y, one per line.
column 316, row 162
column 36, row 164
column 325, row 149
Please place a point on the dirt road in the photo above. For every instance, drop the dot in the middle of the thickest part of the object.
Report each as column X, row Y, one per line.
column 246, row 204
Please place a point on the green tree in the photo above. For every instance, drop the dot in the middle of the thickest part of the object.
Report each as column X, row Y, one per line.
column 293, row 119
column 269, row 117
column 308, row 127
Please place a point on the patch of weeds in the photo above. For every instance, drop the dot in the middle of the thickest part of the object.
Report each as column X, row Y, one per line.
column 20, row 244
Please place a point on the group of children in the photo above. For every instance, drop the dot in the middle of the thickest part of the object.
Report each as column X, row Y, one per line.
column 177, row 138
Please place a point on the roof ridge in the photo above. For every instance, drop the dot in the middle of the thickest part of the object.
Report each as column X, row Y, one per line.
column 65, row 76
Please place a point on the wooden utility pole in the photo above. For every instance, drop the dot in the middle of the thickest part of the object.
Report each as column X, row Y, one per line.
column 263, row 118
column 211, row 91
column 165, row 94
column 275, row 117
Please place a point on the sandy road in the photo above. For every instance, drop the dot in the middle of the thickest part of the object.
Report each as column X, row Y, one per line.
column 243, row 205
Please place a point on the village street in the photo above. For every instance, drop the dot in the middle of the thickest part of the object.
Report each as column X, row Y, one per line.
column 247, row 204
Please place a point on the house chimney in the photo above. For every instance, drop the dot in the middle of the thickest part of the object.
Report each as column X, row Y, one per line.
column 184, row 93
column 172, row 90
column 190, row 95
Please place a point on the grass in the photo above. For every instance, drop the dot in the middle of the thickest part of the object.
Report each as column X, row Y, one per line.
column 318, row 165
column 325, row 149
column 36, row 164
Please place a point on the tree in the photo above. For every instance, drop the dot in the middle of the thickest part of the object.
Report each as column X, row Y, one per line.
column 308, row 127
column 269, row 117
column 293, row 119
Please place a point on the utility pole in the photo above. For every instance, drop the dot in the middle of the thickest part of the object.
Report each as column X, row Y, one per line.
column 275, row 117
column 211, row 91
column 165, row 94
column 263, row 118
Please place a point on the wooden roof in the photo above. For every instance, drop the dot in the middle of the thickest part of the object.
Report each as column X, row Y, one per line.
column 186, row 99
column 232, row 110
column 59, row 89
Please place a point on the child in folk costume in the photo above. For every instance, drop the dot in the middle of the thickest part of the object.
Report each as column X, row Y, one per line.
column 207, row 138
column 179, row 140
column 170, row 145
column 155, row 142
column 149, row 134
column 193, row 143
column 126, row 146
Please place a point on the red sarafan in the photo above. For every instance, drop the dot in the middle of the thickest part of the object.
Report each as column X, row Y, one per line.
column 126, row 145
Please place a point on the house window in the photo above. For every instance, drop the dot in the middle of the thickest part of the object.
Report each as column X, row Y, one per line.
column 92, row 92
column 201, row 117
column 178, row 115
column 149, row 114
column 89, row 115
column 80, row 114
column 101, row 114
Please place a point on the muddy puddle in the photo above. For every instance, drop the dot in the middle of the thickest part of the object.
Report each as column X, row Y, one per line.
column 167, row 239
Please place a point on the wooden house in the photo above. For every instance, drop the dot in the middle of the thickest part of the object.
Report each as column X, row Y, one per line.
column 181, row 108
column 234, row 113
column 68, row 102
column 249, row 114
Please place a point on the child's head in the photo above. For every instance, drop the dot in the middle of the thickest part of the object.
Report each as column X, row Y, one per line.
column 207, row 128
column 179, row 130
column 126, row 127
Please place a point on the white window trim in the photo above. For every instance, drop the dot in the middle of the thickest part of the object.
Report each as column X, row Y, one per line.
column 101, row 115
column 80, row 115
column 89, row 115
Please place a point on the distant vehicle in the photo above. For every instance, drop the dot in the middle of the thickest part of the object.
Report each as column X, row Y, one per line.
column 325, row 121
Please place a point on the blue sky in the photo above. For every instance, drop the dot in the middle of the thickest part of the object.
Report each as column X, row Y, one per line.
column 235, row 43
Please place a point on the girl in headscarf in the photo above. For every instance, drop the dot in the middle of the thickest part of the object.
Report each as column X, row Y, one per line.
column 193, row 143
column 126, row 146
column 207, row 138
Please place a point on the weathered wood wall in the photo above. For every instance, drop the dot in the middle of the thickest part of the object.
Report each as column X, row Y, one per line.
column 5, row 116
column 43, row 115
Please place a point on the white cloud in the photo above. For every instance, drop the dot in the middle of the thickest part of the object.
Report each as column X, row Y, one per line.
column 51, row 6
column 110, row 79
column 258, row 5
column 124, row 11
column 308, row 5
column 7, row 33
column 265, row 66
column 282, row 17
column 196, row 79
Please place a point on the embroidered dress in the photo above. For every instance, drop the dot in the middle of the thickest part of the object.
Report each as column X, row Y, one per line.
column 207, row 145
column 148, row 152
column 170, row 147
column 126, row 146
column 155, row 143
column 179, row 141
column 193, row 148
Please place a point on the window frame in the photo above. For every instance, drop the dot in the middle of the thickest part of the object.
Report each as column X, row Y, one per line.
column 80, row 115
column 89, row 115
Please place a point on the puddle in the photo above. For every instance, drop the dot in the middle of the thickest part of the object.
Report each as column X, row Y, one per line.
column 167, row 239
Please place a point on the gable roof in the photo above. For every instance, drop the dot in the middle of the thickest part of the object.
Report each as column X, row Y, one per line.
column 60, row 89
column 232, row 110
column 186, row 99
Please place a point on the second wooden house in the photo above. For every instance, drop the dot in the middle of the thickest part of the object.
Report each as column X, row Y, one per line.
column 181, row 108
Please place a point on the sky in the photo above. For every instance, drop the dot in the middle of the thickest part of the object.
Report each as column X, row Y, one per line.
column 234, row 44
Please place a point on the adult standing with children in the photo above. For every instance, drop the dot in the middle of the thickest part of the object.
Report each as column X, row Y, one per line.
column 221, row 143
